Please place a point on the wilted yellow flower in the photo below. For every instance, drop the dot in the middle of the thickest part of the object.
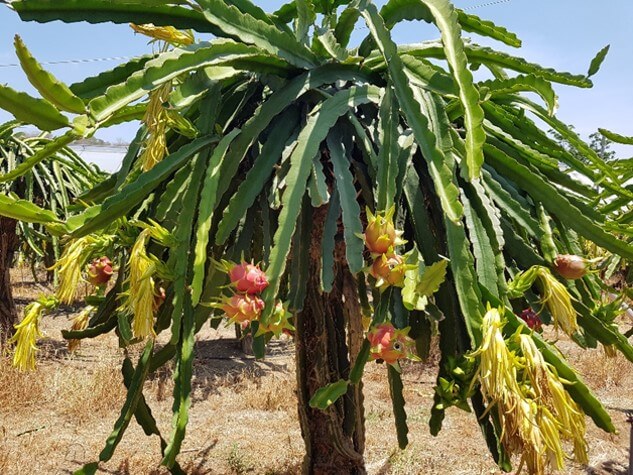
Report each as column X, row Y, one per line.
column 73, row 260
column 156, row 120
column 27, row 333
column 70, row 266
column 558, row 301
column 535, row 410
column 497, row 364
column 80, row 322
column 168, row 34
column 553, row 294
column 140, row 293
column 552, row 396
column 26, row 336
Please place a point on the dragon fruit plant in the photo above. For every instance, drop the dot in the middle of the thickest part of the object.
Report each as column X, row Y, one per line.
column 390, row 192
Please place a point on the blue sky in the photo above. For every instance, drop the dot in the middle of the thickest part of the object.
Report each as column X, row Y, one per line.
column 563, row 34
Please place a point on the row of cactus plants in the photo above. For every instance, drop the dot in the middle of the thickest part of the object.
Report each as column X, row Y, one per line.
column 385, row 195
column 56, row 185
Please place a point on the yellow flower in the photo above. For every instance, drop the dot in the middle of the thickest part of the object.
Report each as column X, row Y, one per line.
column 140, row 294
column 535, row 410
column 28, row 332
column 555, row 400
column 497, row 364
column 553, row 294
column 558, row 301
column 26, row 336
column 168, row 34
column 80, row 322
column 156, row 120
column 73, row 260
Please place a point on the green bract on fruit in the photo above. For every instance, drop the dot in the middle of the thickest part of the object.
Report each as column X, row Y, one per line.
column 389, row 270
column 243, row 308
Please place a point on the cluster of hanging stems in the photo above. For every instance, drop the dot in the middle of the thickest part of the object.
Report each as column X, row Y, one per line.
column 535, row 410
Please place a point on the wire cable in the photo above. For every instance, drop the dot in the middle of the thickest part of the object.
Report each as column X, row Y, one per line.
column 120, row 58
column 489, row 4
column 73, row 61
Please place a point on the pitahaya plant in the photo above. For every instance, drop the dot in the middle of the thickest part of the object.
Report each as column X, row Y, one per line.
column 267, row 142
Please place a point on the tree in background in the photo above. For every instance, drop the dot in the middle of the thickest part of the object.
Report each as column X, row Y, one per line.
column 600, row 144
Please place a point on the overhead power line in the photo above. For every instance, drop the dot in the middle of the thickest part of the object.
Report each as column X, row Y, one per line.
column 120, row 58
column 72, row 61
column 489, row 4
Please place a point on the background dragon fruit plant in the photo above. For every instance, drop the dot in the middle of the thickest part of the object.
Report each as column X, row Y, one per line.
column 54, row 184
column 268, row 143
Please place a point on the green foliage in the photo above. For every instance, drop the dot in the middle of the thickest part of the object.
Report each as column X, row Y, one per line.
column 39, row 193
column 276, row 118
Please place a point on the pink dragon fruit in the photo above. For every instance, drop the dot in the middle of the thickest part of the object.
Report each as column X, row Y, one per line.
column 248, row 278
column 240, row 308
column 100, row 271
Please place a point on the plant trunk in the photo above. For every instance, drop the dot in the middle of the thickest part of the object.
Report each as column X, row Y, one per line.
column 8, row 245
column 328, row 330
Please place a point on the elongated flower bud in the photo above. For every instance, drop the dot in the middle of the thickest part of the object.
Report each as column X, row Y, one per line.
column 168, row 34
column 570, row 266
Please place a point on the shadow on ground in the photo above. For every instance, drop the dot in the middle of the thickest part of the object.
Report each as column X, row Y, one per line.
column 610, row 467
column 223, row 361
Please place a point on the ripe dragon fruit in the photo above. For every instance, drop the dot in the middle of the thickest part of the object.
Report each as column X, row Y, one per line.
column 240, row 308
column 248, row 278
column 100, row 271
column 389, row 344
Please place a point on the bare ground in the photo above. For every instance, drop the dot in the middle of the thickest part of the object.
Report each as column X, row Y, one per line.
column 243, row 417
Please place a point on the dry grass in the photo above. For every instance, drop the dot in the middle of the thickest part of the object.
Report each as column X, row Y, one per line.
column 243, row 418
